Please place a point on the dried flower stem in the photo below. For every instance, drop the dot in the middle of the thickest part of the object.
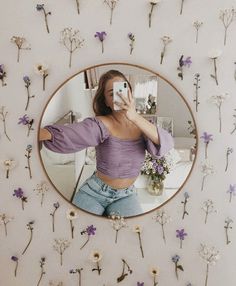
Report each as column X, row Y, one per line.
column 207, row 274
column 155, row 283
column 215, row 72
column 5, row 226
column 206, row 146
column 44, row 80
column 72, row 228
column 53, row 218
column 185, row 212
column 28, row 98
column 140, row 244
column 203, row 182
column 30, row 227
column 150, row 14
column 196, row 84
column 85, row 242
column 123, row 274
column 98, row 269
column 182, row 6
column 3, row 118
column 226, row 233
column 28, row 164
column 46, row 19
column 42, row 262
column 16, row 267
column 77, row 5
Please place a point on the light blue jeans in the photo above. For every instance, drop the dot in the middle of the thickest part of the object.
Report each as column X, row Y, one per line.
column 97, row 197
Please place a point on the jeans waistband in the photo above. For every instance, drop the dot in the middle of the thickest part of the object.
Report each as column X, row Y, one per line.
column 101, row 183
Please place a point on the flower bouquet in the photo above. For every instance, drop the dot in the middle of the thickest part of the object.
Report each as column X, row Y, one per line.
column 156, row 170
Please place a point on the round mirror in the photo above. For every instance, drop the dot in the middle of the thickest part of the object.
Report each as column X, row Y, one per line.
column 117, row 138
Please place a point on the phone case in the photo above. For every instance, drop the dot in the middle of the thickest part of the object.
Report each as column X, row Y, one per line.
column 119, row 87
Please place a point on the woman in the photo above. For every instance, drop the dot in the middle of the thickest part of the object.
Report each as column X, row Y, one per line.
column 120, row 138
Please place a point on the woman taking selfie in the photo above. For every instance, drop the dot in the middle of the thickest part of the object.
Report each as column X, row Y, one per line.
column 120, row 136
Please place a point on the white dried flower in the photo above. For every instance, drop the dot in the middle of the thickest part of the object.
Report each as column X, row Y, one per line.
column 71, row 214
column 214, row 53
column 218, row 99
column 154, row 271
column 137, row 229
column 95, row 256
column 207, row 168
column 41, row 68
column 209, row 254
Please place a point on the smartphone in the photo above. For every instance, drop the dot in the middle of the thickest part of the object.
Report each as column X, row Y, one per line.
column 122, row 88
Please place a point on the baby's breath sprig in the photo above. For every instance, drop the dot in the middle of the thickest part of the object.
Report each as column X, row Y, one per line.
column 30, row 228
column 21, row 44
column 117, row 222
column 5, row 219
column 8, row 165
column 208, row 207
column 60, row 246
column 162, row 218
column 72, row 41
column 227, row 16
column 124, row 273
column 41, row 189
column 206, row 169
column 3, row 115
column 111, row 4
column 197, row 24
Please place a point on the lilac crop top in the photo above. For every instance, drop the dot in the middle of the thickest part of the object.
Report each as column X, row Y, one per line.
column 115, row 157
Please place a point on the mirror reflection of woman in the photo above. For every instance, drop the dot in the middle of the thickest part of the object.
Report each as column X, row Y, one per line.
column 120, row 139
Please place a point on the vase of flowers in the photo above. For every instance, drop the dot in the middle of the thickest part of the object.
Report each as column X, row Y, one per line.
column 156, row 170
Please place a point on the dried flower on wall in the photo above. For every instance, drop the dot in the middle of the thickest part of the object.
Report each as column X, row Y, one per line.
column 124, row 273
column 72, row 41
column 28, row 149
column 208, row 208
column 214, row 55
column 210, row 255
column 162, row 218
column 21, row 44
column 52, row 283
column 206, row 169
column 138, row 229
column 132, row 40
column 3, row 116
column 186, row 198
column 231, row 191
column 228, row 152
column 183, row 63
column 101, row 37
column 56, row 206
column 181, row 7
column 3, row 74
column 42, row 70
column 96, row 257
column 90, row 230
column 227, row 16
column 154, row 273
column 197, row 86
column 4, row 219
column 228, row 226
column 77, row 6
column 77, row 271
column 165, row 40
column 153, row 4
column 8, row 165
column 180, row 233
column 16, row 260
column 197, row 24
column 19, row 193
column 111, row 4
column 42, row 263
column 25, row 120
column 41, row 189
column 40, row 7
column 234, row 116
column 27, row 82
column 60, row 246
column 178, row 266
column 140, row 283
column 30, row 227
column 206, row 140
column 117, row 222
column 71, row 215
column 218, row 100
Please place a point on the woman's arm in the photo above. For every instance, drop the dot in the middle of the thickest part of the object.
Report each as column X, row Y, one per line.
column 44, row 134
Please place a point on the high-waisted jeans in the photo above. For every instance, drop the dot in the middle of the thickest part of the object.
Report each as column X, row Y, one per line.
column 97, row 197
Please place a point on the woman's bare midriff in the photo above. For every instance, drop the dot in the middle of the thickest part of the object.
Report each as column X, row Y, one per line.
column 116, row 183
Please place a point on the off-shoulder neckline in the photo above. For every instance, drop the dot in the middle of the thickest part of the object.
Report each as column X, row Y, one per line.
column 115, row 137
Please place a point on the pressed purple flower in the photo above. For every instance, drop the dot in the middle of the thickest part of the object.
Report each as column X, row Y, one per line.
column 160, row 169
column 14, row 258
column 100, row 35
column 39, row 7
column 56, row 205
column 207, row 137
column 26, row 79
column 180, row 234
column 1, row 68
column 131, row 36
column 175, row 258
column 187, row 62
column 91, row 230
column 140, row 283
column 24, row 120
column 232, row 189
column 186, row 195
column 18, row 193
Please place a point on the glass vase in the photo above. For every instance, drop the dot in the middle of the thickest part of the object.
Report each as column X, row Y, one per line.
column 155, row 187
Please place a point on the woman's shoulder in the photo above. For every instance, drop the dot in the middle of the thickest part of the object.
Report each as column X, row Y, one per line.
column 106, row 120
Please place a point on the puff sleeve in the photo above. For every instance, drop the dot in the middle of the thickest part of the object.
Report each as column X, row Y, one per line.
column 166, row 143
column 76, row 136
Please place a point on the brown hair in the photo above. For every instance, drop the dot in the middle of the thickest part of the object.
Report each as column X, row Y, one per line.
column 99, row 104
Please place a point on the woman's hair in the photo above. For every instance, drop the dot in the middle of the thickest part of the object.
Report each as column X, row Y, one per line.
column 99, row 104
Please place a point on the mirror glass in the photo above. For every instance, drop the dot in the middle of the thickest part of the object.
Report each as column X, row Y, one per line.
column 138, row 188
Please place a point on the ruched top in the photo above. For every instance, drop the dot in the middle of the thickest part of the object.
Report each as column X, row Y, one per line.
column 115, row 157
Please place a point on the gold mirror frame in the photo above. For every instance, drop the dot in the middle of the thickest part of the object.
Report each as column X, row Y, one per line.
column 131, row 65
